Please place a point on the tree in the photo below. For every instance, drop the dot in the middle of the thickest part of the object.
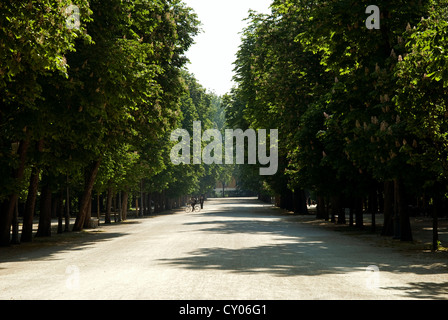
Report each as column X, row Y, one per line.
column 28, row 55
column 117, row 89
column 421, row 102
column 137, row 77
column 321, row 74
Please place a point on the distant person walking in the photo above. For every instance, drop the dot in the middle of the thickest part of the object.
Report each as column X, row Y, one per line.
column 201, row 201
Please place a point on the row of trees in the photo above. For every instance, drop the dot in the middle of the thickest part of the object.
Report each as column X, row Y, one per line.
column 361, row 112
column 90, row 92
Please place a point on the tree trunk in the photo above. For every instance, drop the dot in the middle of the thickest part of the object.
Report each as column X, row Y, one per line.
column 137, row 207
column 144, row 204
column 88, row 215
column 67, row 209
column 54, row 207
column 286, row 200
column 60, row 211
column 108, row 206
column 8, row 206
column 124, row 206
column 120, row 211
column 87, row 194
column 156, row 203
column 388, row 223
column 223, row 188
column 299, row 199
column 373, row 205
column 159, row 202
column 98, row 209
column 405, row 232
column 350, row 213
column 114, row 202
column 358, row 212
column 141, row 198
column 320, row 208
column 396, row 211
column 435, row 224
column 30, row 205
column 373, row 200
column 167, row 202
column 15, row 225
column 289, row 200
column 336, row 207
column 44, row 229
column 380, row 197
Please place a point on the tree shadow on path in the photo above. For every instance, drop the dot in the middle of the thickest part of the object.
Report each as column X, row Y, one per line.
column 47, row 248
column 297, row 249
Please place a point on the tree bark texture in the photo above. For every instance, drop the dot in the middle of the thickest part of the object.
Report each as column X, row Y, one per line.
column 124, row 205
column 321, row 211
column 67, row 209
column 299, row 199
column 44, row 228
column 358, row 206
column 435, row 224
column 60, row 210
column 108, row 206
column 388, row 223
column 30, row 206
column 15, row 224
column 8, row 206
column 405, row 232
column 86, row 196
column 88, row 215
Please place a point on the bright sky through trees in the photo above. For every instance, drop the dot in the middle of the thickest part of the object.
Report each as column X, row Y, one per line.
column 213, row 54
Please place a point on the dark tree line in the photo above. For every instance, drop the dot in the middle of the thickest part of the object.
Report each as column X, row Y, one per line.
column 88, row 102
column 361, row 111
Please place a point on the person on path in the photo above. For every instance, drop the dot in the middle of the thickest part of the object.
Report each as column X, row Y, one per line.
column 201, row 201
column 194, row 201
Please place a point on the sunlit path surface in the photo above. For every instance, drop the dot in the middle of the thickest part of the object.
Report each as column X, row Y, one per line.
column 236, row 248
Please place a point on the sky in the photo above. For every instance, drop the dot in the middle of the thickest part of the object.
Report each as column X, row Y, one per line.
column 212, row 55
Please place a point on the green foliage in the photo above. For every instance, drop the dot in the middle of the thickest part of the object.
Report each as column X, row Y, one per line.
column 196, row 105
column 107, row 91
column 352, row 105
column 34, row 41
column 421, row 98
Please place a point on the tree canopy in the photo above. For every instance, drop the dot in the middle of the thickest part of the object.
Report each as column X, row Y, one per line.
column 90, row 93
column 359, row 100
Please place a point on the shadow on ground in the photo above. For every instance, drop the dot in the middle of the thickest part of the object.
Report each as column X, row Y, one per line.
column 301, row 250
column 46, row 248
column 423, row 290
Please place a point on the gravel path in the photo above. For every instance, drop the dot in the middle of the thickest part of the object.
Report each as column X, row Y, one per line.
column 236, row 248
